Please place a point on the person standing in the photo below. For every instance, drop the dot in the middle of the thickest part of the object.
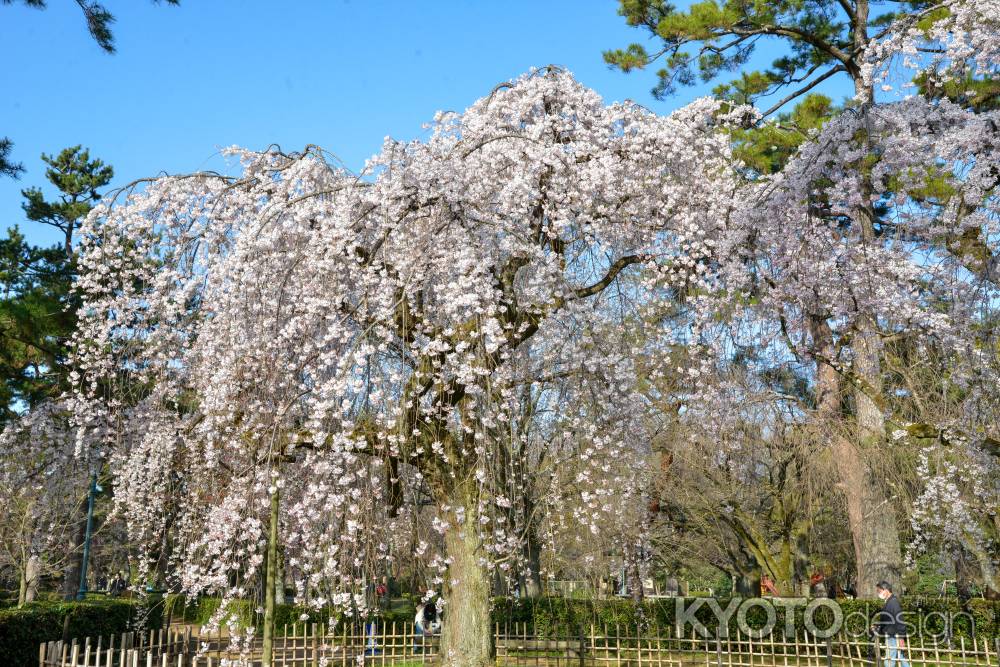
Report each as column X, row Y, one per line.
column 890, row 625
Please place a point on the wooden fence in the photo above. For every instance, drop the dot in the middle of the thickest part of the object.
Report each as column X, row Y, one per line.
column 313, row 645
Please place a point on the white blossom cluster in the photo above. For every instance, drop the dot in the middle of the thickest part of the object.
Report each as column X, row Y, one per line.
column 948, row 41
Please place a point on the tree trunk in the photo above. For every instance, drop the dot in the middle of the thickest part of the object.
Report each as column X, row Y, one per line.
column 33, row 574
column 270, row 571
column 965, row 574
column 870, row 515
column 22, row 589
column 784, row 575
column 279, row 577
column 746, row 585
column 533, row 577
column 635, row 582
column 466, row 633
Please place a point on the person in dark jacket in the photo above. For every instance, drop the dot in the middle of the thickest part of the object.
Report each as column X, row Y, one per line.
column 889, row 623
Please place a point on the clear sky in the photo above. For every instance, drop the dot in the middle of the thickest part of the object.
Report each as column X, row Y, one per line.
column 343, row 74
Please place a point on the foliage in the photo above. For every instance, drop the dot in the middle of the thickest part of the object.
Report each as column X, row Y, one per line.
column 37, row 309
column 78, row 179
column 823, row 38
column 34, row 321
column 7, row 167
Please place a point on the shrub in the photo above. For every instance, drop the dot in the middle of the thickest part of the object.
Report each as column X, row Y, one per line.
column 23, row 630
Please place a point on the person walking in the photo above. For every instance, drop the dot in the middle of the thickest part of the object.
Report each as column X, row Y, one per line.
column 890, row 625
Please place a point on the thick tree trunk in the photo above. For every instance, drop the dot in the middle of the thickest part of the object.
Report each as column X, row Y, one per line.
column 271, row 569
column 466, row 633
column 784, row 576
column 870, row 516
column 880, row 557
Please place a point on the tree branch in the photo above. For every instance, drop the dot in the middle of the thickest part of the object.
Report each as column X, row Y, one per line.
column 804, row 89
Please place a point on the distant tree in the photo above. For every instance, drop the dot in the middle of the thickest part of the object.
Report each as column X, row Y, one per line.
column 859, row 41
column 37, row 313
column 98, row 18
column 34, row 321
column 78, row 179
column 40, row 483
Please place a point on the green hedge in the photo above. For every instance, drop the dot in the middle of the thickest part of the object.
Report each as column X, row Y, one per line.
column 560, row 616
column 23, row 630
column 563, row 616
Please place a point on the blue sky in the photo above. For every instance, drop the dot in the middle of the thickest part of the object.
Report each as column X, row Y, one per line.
column 343, row 74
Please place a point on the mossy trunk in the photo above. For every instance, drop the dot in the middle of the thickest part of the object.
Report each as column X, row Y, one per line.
column 876, row 536
column 880, row 553
column 869, row 512
column 466, row 633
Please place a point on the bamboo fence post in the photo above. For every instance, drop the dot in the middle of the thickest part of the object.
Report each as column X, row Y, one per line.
column 385, row 640
column 343, row 646
column 315, row 646
column 638, row 646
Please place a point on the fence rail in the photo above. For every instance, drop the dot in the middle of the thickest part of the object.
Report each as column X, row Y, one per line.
column 312, row 645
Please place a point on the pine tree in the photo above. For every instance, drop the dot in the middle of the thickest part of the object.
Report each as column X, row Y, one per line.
column 37, row 307
column 78, row 178
column 34, row 321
